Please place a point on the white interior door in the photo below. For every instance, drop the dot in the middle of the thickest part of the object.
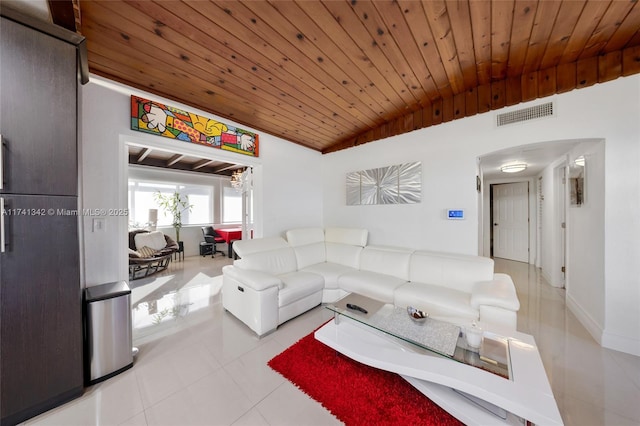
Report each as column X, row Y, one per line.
column 511, row 221
column 561, row 173
column 247, row 204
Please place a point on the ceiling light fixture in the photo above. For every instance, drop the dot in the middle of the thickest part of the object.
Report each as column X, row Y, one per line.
column 513, row 167
column 579, row 161
column 236, row 179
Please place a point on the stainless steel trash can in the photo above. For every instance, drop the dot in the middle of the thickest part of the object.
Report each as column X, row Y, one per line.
column 108, row 340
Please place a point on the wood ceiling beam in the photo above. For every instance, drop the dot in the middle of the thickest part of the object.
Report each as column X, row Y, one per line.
column 143, row 155
column 201, row 164
column 173, row 160
column 225, row 167
column 495, row 95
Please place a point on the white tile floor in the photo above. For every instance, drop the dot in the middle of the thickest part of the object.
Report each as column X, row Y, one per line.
column 200, row 366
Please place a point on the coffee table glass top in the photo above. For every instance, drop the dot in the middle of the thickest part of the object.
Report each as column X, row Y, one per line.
column 435, row 336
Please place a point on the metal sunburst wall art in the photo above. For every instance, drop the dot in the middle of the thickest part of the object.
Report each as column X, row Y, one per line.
column 397, row 184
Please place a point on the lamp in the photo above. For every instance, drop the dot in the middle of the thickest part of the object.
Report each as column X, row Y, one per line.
column 153, row 219
column 513, row 167
column 579, row 161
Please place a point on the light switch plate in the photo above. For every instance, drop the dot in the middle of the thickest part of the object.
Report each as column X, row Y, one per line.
column 99, row 224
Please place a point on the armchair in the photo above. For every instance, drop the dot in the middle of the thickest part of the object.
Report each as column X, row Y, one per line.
column 150, row 254
column 211, row 237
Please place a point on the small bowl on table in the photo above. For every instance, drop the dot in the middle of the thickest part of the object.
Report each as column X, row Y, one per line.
column 416, row 314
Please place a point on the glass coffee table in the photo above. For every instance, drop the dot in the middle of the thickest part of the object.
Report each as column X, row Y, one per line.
column 431, row 335
column 502, row 382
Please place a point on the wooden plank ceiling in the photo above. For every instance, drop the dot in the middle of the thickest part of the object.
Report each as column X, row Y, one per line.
column 330, row 75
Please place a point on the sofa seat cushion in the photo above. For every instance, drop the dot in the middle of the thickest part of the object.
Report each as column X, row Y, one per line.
column 330, row 272
column 298, row 285
column 376, row 286
column 436, row 300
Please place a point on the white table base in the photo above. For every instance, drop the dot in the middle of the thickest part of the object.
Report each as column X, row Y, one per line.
column 527, row 395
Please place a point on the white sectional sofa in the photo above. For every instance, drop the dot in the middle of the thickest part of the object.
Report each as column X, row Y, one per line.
column 277, row 279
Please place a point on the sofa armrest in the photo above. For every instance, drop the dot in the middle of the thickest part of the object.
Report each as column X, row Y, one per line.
column 499, row 292
column 257, row 280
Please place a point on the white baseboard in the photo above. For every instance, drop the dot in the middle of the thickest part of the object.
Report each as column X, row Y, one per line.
column 621, row 343
column 585, row 319
column 605, row 339
column 550, row 279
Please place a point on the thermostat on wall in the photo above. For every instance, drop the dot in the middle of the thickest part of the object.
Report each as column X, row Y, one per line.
column 455, row 214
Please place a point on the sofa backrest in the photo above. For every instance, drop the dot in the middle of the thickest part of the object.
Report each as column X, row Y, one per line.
column 344, row 245
column 246, row 247
column 392, row 261
column 350, row 236
column 308, row 244
column 457, row 271
column 272, row 255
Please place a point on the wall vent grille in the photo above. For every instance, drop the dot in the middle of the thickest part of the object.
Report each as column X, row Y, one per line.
column 525, row 114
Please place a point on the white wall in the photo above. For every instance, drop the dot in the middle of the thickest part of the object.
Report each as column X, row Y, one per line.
column 551, row 256
column 448, row 153
column 288, row 177
column 586, row 242
column 448, row 181
column 292, row 187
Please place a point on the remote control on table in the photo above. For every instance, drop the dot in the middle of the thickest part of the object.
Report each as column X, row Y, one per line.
column 357, row 308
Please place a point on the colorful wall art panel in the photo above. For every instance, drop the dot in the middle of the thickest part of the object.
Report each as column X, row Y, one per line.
column 159, row 119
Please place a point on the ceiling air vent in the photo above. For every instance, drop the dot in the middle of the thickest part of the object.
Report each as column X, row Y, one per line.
column 525, row 114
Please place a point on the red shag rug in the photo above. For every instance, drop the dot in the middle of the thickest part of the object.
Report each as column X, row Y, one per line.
column 353, row 392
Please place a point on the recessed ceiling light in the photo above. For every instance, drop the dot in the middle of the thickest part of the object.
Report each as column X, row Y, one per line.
column 513, row 167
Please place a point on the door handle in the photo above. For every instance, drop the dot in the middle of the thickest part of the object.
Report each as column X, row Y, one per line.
column 495, row 224
column 2, row 225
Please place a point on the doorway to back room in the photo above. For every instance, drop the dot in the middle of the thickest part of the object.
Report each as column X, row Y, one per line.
column 510, row 221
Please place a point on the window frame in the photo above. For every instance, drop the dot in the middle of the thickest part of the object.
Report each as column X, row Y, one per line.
column 151, row 186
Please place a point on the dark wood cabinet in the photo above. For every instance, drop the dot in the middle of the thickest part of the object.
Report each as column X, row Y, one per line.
column 38, row 78
column 41, row 343
column 40, row 305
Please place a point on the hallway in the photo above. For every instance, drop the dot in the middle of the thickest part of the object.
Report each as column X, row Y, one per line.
column 592, row 385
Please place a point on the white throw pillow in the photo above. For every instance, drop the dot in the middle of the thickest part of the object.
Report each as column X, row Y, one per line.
column 154, row 239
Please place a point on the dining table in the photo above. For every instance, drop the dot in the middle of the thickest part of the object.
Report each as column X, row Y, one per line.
column 230, row 235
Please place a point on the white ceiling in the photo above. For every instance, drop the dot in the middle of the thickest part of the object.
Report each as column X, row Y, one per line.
column 536, row 156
